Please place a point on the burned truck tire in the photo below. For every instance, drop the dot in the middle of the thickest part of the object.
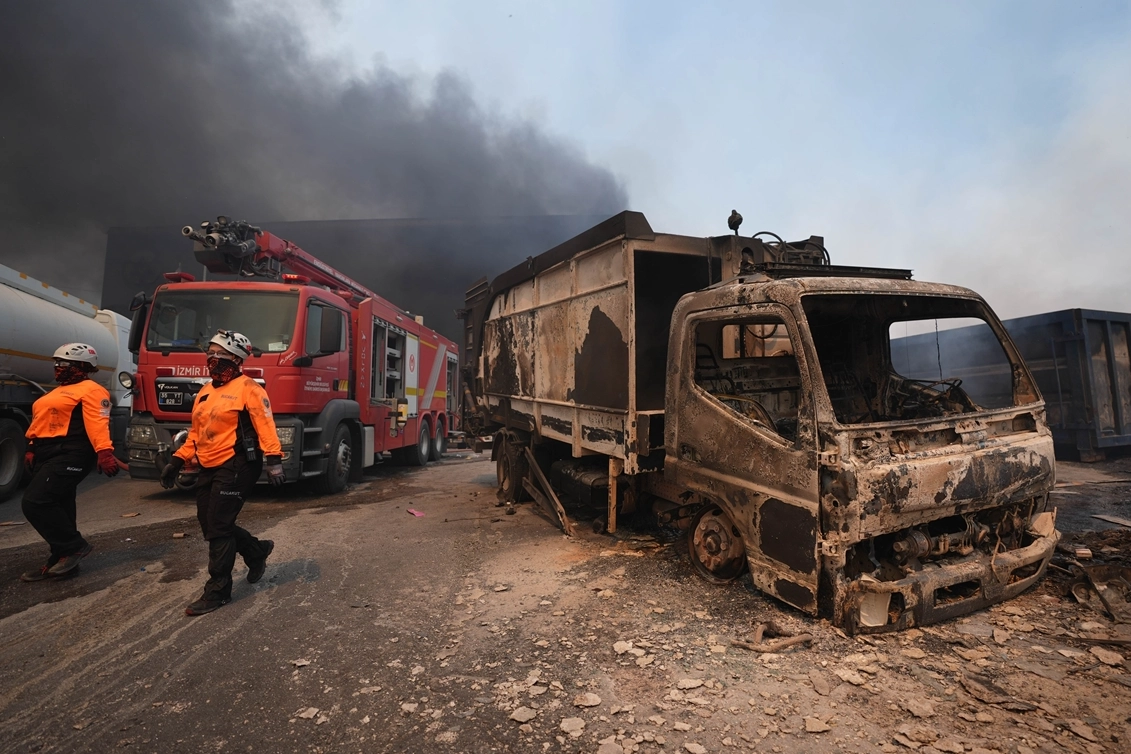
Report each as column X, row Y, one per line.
column 715, row 547
column 12, row 447
column 510, row 469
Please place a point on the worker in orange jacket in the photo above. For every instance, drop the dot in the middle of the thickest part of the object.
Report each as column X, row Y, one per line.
column 232, row 439
column 69, row 436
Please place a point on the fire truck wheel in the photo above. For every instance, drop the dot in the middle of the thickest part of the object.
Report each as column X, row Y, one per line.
column 338, row 464
column 12, row 445
column 418, row 454
column 439, row 444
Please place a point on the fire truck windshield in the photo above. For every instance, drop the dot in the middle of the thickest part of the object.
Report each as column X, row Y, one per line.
column 186, row 320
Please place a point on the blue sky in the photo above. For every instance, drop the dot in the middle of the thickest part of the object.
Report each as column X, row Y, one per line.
column 981, row 143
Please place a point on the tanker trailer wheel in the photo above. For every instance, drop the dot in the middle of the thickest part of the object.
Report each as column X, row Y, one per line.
column 338, row 464
column 715, row 546
column 439, row 443
column 511, row 468
column 418, row 454
column 12, row 447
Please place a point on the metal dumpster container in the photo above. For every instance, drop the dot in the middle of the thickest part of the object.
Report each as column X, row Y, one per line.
column 1080, row 359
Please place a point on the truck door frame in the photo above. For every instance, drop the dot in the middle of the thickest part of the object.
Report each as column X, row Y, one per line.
column 718, row 453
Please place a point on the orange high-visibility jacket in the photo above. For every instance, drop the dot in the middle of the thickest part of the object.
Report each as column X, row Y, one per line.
column 51, row 415
column 215, row 435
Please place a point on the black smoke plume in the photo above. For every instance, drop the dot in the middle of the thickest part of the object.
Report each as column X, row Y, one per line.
column 123, row 113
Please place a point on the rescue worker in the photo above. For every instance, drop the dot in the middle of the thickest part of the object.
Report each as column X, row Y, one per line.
column 232, row 438
column 69, row 436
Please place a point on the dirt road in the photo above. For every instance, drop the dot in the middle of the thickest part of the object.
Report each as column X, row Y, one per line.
column 469, row 630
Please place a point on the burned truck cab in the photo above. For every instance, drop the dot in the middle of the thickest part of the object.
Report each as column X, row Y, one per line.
column 861, row 475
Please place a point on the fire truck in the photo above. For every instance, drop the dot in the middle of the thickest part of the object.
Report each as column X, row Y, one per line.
column 349, row 374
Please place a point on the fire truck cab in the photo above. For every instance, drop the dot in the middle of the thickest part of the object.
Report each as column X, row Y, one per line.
column 349, row 374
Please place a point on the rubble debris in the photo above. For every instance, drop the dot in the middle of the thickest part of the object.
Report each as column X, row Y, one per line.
column 987, row 693
column 850, row 676
column 820, row 683
column 919, row 707
column 1112, row 519
column 1083, row 730
column 588, row 699
column 1107, row 656
column 573, row 726
column 815, row 725
column 523, row 715
column 308, row 713
column 771, row 629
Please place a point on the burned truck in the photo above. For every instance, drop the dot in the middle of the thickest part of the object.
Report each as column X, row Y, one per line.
column 746, row 389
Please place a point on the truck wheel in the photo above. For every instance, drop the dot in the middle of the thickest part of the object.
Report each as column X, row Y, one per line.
column 439, row 444
column 511, row 468
column 12, row 447
column 418, row 454
column 715, row 546
column 338, row 464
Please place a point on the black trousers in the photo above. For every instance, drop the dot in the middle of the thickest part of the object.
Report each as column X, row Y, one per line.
column 220, row 495
column 49, row 501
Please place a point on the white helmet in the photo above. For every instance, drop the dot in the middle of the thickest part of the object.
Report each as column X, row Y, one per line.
column 233, row 342
column 77, row 352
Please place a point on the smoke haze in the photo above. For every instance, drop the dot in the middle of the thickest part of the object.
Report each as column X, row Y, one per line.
column 140, row 113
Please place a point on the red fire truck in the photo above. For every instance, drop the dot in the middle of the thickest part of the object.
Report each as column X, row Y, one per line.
column 349, row 374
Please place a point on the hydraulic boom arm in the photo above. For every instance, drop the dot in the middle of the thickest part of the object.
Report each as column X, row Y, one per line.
column 236, row 247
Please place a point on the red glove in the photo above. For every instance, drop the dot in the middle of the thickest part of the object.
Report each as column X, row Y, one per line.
column 107, row 463
column 29, row 460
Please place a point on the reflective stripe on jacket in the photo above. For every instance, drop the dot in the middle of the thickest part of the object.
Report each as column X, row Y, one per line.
column 215, row 434
column 51, row 415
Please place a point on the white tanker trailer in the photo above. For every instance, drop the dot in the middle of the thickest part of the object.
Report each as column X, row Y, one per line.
column 35, row 319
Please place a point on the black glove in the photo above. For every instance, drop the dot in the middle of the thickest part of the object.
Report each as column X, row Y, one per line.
column 169, row 473
column 275, row 474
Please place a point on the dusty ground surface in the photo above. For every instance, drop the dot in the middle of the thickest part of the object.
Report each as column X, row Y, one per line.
column 469, row 630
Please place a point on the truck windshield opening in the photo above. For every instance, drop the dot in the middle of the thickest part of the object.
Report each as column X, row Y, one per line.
column 186, row 320
column 887, row 357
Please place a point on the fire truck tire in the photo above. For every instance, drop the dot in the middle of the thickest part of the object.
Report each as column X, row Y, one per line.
column 338, row 464
column 439, row 444
column 417, row 455
column 12, row 446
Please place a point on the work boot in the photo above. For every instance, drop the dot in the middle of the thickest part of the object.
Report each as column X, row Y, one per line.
column 204, row 605
column 39, row 574
column 68, row 564
column 255, row 569
column 42, row 573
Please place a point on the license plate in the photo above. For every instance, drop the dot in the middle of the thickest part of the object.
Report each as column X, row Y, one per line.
column 172, row 398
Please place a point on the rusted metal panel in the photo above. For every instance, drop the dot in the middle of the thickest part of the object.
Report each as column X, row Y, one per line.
column 600, row 365
column 555, row 347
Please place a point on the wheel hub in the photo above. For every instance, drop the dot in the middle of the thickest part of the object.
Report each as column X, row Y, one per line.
column 716, row 549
